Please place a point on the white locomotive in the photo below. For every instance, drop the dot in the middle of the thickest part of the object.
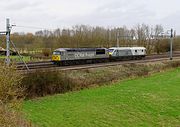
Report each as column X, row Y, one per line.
column 127, row 52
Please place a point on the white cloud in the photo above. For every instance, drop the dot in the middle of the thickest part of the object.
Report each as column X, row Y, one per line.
column 60, row 13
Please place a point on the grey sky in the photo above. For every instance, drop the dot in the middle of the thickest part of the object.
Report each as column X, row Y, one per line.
column 52, row 14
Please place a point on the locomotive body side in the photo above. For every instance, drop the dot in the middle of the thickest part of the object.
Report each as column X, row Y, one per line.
column 138, row 51
column 71, row 55
column 121, row 53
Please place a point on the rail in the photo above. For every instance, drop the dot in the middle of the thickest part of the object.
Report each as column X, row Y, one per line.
column 49, row 66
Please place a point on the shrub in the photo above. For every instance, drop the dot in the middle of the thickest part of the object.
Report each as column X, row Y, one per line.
column 10, row 94
column 46, row 52
column 10, row 84
column 43, row 83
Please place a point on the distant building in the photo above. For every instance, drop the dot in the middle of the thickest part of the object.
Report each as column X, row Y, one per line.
column 3, row 52
column 2, row 49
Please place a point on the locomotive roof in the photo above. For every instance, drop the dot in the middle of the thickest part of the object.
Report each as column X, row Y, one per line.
column 78, row 49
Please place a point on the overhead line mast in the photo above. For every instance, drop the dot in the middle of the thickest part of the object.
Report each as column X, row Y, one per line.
column 7, row 33
column 8, row 41
column 8, row 30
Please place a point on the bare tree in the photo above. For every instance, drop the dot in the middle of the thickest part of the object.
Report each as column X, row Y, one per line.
column 157, row 31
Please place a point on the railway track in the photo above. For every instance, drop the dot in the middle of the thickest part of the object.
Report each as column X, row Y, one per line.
column 35, row 65
column 108, row 64
column 49, row 66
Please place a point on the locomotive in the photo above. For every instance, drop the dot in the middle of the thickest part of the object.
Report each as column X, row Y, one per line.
column 63, row 56
column 67, row 56
column 121, row 53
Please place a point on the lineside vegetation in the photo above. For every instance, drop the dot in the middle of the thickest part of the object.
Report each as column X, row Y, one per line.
column 11, row 94
column 42, row 83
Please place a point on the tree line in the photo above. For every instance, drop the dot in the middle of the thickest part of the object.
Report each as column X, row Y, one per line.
column 89, row 36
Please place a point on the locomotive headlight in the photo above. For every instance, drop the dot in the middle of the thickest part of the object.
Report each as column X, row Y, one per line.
column 111, row 51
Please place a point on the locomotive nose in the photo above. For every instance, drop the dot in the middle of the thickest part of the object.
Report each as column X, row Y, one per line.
column 55, row 58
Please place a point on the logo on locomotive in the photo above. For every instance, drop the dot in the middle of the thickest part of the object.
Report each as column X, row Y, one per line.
column 79, row 55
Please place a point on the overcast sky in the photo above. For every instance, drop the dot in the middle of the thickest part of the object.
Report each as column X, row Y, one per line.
column 53, row 14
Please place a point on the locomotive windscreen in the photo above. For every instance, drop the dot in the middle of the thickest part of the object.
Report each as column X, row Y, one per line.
column 56, row 53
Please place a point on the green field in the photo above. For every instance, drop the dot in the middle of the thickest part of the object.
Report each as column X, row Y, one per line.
column 150, row 101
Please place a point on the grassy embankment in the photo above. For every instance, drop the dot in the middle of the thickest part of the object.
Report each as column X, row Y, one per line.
column 25, row 58
column 148, row 101
column 16, row 58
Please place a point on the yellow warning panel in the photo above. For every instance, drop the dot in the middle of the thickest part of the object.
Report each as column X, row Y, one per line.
column 56, row 58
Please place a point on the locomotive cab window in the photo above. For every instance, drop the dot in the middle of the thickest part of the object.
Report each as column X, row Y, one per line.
column 111, row 50
column 100, row 51
column 56, row 53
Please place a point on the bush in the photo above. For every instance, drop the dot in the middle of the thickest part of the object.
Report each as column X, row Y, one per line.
column 10, row 84
column 10, row 94
column 43, row 83
column 46, row 52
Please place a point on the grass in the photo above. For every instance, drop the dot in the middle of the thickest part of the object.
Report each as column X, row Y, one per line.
column 17, row 58
column 149, row 101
